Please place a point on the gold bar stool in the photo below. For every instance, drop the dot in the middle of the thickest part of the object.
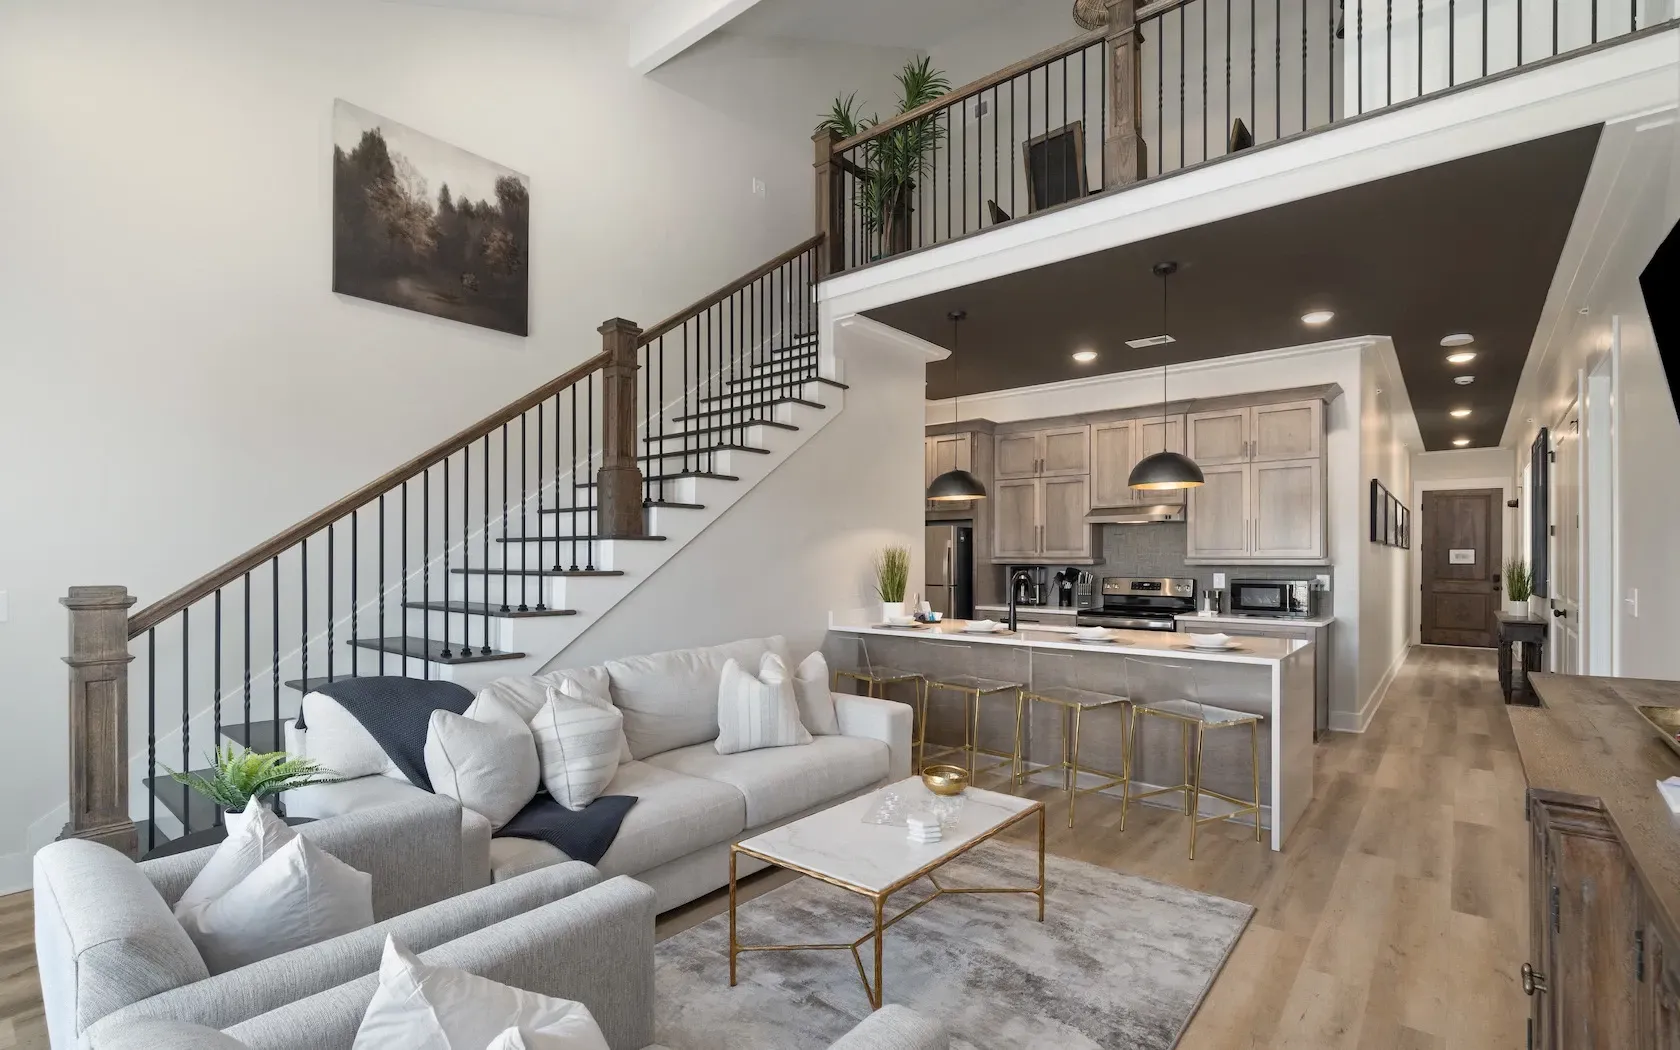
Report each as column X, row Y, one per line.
column 875, row 681
column 1194, row 719
column 972, row 689
column 1073, row 704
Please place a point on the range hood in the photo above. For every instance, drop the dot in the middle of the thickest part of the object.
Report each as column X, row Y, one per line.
column 1142, row 515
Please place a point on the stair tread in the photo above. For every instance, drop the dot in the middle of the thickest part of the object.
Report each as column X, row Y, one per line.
column 727, row 446
column 692, row 432
column 432, row 650
column 259, row 735
column 314, row 682
column 567, row 539
column 791, row 383
column 537, row 572
column 591, row 508
column 678, row 476
column 493, row 610
column 783, row 400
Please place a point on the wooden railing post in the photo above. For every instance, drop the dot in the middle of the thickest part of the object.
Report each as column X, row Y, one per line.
column 99, row 662
column 831, row 207
column 1125, row 159
column 618, row 487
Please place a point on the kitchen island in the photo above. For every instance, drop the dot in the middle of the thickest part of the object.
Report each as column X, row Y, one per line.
column 1268, row 676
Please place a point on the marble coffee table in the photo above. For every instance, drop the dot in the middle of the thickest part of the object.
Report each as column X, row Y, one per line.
column 877, row 860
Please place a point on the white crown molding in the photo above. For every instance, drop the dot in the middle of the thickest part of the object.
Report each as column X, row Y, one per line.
column 891, row 338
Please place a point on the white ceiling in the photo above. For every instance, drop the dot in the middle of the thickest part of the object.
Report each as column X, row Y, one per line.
column 605, row 10
column 915, row 24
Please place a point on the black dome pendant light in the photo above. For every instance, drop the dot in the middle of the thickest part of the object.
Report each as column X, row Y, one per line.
column 1165, row 469
column 956, row 484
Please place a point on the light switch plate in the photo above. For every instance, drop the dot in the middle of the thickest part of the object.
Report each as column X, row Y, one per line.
column 1323, row 581
column 1219, row 581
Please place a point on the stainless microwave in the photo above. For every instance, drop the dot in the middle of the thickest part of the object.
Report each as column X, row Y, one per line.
column 1292, row 598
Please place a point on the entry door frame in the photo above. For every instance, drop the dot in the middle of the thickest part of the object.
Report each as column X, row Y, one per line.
column 1507, row 533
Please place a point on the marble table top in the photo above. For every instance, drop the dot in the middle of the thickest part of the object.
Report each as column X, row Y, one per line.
column 877, row 859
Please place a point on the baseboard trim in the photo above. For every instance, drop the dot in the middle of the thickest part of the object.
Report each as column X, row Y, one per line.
column 1358, row 721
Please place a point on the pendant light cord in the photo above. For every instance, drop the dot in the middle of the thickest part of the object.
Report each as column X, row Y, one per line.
column 957, row 317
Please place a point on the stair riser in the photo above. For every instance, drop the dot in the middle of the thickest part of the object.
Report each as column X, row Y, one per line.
column 720, row 462
column 501, row 636
column 788, row 385
column 781, row 413
column 673, row 437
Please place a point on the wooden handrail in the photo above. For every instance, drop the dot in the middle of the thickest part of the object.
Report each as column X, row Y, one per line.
column 969, row 90
column 690, row 311
column 1156, row 8
column 161, row 610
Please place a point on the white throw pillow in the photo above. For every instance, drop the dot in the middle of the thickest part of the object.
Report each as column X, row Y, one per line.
column 300, row 896
column 252, row 839
column 514, row 1039
column 485, row 759
column 418, row 1006
column 816, row 700
column 669, row 699
column 528, row 695
column 758, row 712
column 334, row 738
column 578, row 744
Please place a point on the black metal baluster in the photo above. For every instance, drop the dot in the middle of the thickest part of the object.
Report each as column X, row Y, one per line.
column 950, row 213
column 465, row 605
column 216, row 695
column 1388, row 55
column 1183, row 31
column 355, row 610
column 1554, row 27
column 1012, row 209
column 1304, row 64
column 524, row 453
column 151, row 734
column 1520, row 27
column 1359, row 55
column 1452, row 41
column 1485, row 31
column 1420, row 45
column 1160, row 96
column 426, row 571
column 1277, row 69
column 1226, row 124
column 1330, row 60
column 303, row 610
column 541, row 601
column 274, row 625
column 404, row 617
column 247, row 660
column 186, row 721
column 688, row 424
column 507, row 560
column 1253, row 68
column 330, row 672
column 1206, row 149
column 574, row 507
column 595, row 515
column 445, row 652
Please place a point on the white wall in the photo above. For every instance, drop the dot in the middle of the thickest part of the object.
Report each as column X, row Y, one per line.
column 1627, row 206
column 181, row 381
column 1348, row 472
column 1385, row 597
column 800, row 543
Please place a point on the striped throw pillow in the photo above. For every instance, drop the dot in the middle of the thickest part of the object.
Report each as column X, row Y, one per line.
column 757, row 712
column 577, row 745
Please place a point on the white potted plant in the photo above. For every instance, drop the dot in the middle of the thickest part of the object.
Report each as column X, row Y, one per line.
column 892, row 576
column 1519, row 585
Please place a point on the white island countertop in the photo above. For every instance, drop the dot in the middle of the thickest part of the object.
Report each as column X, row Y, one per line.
column 1171, row 644
column 1277, row 621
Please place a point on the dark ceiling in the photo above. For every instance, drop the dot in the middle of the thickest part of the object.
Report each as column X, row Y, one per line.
column 1467, row 246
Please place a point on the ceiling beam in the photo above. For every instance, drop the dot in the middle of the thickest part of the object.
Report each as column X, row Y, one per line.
column 677, row 25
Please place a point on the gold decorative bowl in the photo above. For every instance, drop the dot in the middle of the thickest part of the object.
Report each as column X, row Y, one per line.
column 945, row 780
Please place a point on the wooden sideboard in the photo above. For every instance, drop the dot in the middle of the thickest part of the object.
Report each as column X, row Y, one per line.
column 1603, row 965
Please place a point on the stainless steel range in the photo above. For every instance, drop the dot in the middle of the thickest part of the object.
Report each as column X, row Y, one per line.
column 1135, row 604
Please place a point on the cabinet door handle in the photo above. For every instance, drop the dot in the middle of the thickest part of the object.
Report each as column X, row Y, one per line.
column 1533, row 981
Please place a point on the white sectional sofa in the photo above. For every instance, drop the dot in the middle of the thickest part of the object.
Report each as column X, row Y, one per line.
column 693, row 803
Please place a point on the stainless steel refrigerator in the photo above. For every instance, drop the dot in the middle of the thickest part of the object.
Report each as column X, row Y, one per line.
column 950, row 569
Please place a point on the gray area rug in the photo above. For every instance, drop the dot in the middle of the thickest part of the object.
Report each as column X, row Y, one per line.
column 1119, row 962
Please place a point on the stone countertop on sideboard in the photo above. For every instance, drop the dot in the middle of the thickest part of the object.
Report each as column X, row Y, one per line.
column 1590, row 740
column 1169, row 644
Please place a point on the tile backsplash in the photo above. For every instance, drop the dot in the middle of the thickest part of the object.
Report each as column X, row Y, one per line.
column 1158, row 550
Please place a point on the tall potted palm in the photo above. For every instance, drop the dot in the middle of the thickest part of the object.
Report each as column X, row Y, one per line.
column 890, row 164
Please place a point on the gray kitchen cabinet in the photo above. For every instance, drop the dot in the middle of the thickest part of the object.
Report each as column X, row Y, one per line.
column 1050, row 453
column 1042, row 519
column 1158, row 435
column 1279, row 516
column 1113, row 453
column 943, row 453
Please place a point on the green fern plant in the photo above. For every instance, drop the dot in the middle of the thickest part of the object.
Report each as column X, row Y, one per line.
column 892, row 163
column 242, row 775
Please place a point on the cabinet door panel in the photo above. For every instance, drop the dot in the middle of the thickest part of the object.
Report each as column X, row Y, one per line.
column 1288, row 431
column 1593, row 976
column 1015, row 520
column 1218, row 437
column 1018, row 455
column 1159, row 435
column 1218, row 514
column 1065, row 502
column 1662, row 987
column 1288, row 509
column 1065, row 452
column 1112, row 457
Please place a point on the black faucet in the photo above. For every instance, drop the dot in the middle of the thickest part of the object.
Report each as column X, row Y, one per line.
column 1014, row 592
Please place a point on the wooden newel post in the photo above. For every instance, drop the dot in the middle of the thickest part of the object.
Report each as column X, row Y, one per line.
column 618, row 487
column 99, row 662
column 1125, row 154
column 831, row 208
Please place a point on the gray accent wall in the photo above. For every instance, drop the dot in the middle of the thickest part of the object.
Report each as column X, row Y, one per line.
column 1158, row 550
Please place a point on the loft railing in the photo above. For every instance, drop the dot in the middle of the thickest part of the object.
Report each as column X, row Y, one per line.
column 1164, row 86
column 417, row 567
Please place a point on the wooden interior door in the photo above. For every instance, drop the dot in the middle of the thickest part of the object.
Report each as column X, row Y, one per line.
column 1461, row 556
column 1564, row 648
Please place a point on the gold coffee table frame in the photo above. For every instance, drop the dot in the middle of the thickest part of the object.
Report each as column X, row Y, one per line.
column 873, row 992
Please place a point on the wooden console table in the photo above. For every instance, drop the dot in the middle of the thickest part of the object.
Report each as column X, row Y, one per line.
column 1532, row 634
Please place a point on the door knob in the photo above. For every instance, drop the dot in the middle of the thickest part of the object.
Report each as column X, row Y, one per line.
column 1532, row 981
column 1560, row 613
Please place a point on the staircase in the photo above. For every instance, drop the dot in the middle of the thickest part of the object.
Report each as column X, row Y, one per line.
column 487, row 555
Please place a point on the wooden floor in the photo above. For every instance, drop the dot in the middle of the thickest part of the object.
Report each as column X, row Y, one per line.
column 1394, row 919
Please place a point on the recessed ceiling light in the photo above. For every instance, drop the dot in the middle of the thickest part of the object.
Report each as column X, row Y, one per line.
column 1459, row 413
column 1463, row 357
column 1461, row 442
column 1085, row 357
column 1459, row 339
column 1464, row 380
column 1318, row 317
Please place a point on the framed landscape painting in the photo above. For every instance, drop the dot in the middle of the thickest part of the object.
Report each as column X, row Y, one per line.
column 426, row 226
